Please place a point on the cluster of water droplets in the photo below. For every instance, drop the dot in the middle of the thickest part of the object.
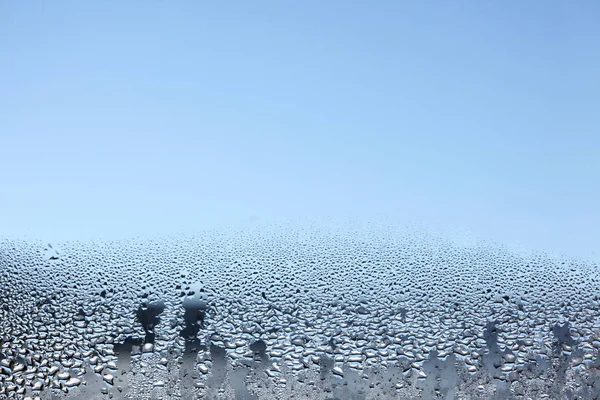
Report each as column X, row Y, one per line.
column 288, row 312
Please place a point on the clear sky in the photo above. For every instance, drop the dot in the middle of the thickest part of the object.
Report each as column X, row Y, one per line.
column 122, row 117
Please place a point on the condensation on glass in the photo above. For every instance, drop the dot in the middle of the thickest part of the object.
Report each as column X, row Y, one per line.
column 295, row 313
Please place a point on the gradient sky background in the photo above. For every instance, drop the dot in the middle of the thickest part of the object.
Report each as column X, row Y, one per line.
column 122, row 117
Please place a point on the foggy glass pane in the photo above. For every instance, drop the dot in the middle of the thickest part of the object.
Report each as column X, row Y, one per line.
column 278, row 312
column 329, row 200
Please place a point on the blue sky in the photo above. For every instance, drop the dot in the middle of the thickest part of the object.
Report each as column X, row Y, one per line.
column 118, row 118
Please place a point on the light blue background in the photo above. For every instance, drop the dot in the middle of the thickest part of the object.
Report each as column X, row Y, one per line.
column 121, row 117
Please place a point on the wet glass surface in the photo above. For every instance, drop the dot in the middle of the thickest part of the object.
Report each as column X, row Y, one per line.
column 284, row 312
column 276, row 199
